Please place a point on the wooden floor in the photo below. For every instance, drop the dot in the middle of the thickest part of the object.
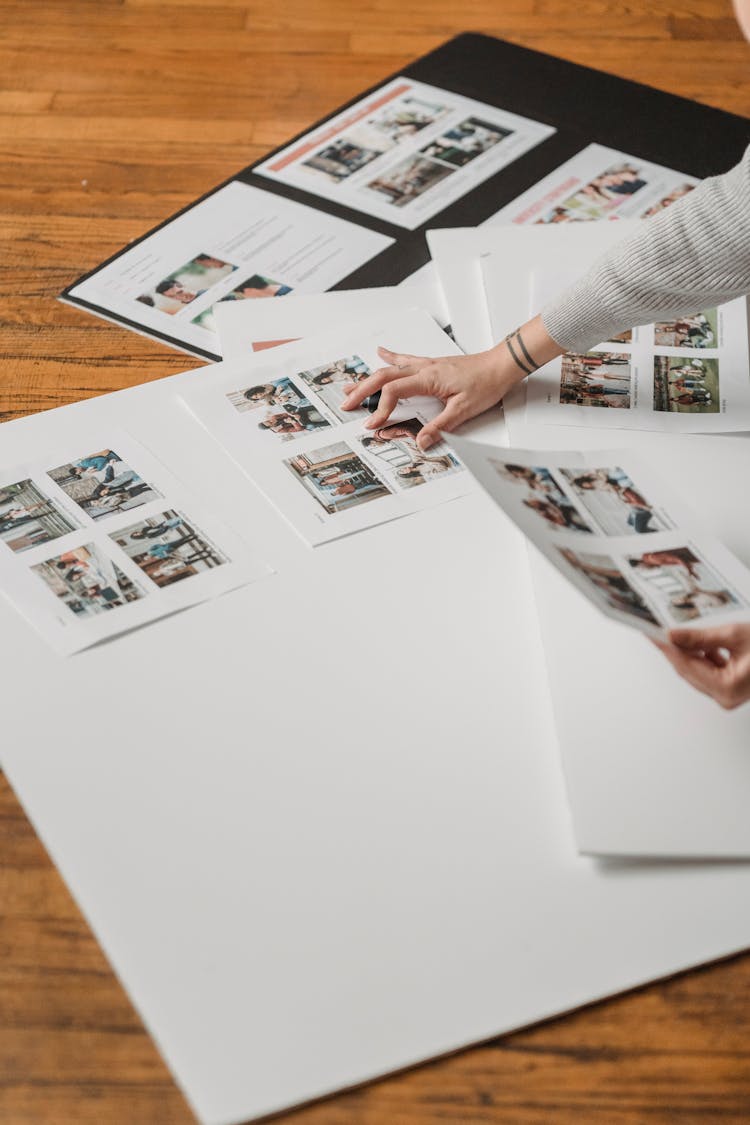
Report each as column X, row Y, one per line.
column 113, row 114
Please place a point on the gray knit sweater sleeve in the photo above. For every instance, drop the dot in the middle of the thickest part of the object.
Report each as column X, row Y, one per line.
column 688, row 257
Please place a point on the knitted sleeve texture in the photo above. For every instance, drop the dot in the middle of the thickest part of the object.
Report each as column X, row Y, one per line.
column 689, row 257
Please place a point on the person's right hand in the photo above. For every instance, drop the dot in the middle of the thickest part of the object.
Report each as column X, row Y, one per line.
column 716, row 661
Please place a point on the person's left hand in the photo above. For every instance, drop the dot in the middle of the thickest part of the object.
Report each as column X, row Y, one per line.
column 716, row 661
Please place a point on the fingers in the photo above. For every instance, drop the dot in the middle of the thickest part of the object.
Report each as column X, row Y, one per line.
column 392, row 392
column 714, row 671
column 700, row 673
column 704, row 640
column 398, row 367
column 451, row 417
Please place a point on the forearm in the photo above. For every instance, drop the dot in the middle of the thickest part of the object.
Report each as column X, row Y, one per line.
column 691, row 256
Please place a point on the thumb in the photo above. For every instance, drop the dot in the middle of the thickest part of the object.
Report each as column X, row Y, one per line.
column 449, row 419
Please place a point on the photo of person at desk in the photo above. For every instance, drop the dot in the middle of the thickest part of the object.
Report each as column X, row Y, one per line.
column 694, row 254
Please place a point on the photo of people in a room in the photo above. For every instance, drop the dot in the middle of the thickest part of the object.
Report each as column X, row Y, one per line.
column 613, row 501
column 405, row 118
column 542, row 495
column 328, row 380
column 337, row 478
column 394, row 447
column 168, row 548
column 339, row 159
column 697, row 331
column 256, row 285
column 28, row 518
column 462, row 143
column 682, row 584
column 87, row 581
column 600, row 196
column 182, row 286
column 409, row 179
column 609, row 583
column 598, row 379
column 102, row 484
column 686, row 385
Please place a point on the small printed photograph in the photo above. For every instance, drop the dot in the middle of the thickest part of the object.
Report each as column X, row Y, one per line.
column 600, row 196
column 622, row 337
column 409, row 179
column 185, row 284
column 394, row 448
column 87, row 581
column 543, row 495
column 277, row 393
column 28, row 518
column 601, row 379
column 328, row 382
column 685, row 385
column 462, row 143
column 698, row 331
column 340, row 159
column 168, row 548
column 103, row 484
column 255, row 286
column 405, row 118
column 608, row 582
column 614, row 503
column 337, row 478
column 682, row 583
column 672, row 197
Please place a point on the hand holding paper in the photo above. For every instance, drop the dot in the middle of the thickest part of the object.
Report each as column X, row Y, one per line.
column 716, row 661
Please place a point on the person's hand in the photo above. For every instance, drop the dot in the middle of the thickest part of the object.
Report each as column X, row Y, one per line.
column 716, row 661
column 466, row 384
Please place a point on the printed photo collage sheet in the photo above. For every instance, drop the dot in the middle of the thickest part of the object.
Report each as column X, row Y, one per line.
column 98, row 539
column 688, row 374
column 611, row 526
column 280, row 418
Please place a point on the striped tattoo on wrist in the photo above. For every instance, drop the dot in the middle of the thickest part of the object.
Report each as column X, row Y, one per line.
column 514, row 340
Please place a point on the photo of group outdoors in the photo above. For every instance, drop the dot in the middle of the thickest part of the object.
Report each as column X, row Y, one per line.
column 614, row 503
column 182, row 286
column 366, row 140
column 602, row 195
column 462, row 143
column 686, row 385
column 257, row 285
column 682, row 585
column 337, row 478
column 607, row 583
column 600, row 379
column 102, row 484
column 543, row 495
column 87, row 581
column 393, row 448
column 168, row 548
column 28, row 518
column 698, row 331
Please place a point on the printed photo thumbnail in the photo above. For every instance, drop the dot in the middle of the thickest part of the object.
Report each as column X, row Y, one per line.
column 257, row 285
column 87, row 581
column 168, row 548
column 682, row 584
column 337, row 478
column 287, row 414
column 698, row 331
column 182, row 286
column 409, row 179
column 341, row 158
column 462, row 143
column 607, row 582
column 600, row 196
column 613, row 502
column 686, row 385
column 102, row 484
column 28, row 518
column 393, row 448
column 405, row 118
column 599, row 379
column 665, row 201
column 328, row 381
column 543, row 495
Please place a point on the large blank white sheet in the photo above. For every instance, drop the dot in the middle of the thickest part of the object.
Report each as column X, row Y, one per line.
column 319, row 824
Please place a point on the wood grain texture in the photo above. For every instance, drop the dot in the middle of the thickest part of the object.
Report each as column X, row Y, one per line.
column 114, row 113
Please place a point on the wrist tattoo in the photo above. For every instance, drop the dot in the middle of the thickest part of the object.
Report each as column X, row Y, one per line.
column 514, row 340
